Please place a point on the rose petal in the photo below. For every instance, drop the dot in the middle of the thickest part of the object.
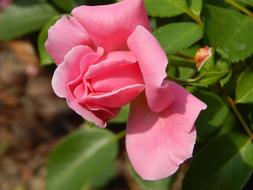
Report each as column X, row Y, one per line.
column 104, row 113
column 111, row 75
column 157, row 143
column 65, row 34
column 121, row 55
column 85, row 113
column 113, row 59
column 152, row 61
column 110, row 25
column 115, row 99
column 69, row 70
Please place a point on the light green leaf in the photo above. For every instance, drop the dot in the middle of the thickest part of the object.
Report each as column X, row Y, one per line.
column 19, row 20
column 177, row 36
column 45, row 58
column 195, row 6
column 213, row 117
column 65, row 5
column 223, row 164
column 166, row 8
column 80, row 157
column 244, row 86
column 230, row 31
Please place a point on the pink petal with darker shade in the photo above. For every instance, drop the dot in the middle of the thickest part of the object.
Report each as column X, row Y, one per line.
column 157, row 143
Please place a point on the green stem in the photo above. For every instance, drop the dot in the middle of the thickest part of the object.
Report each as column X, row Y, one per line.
column 196, row 18
column 120, row 135
column 232, row 105
column 182, row 60
column 239, row 7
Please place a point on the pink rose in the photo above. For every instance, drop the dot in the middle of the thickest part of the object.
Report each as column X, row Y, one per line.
column 4, row 3
column 107, row 58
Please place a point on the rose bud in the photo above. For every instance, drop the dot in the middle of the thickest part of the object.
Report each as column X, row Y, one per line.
column 201, row 56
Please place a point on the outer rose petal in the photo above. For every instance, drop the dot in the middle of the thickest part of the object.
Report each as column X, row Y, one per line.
column 65, row 34
column 152, row 61
column 157, row 143
column 110, row 25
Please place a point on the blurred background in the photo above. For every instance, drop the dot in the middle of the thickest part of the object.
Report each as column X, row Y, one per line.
column 33, row 120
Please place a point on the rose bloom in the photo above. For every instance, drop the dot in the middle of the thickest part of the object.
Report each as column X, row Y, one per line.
column 106, row 58
column 4, row 4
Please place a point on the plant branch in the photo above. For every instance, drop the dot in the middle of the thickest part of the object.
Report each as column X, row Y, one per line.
column 196, row 18
column 239, row 7
column 232, row 105
column 120, row 135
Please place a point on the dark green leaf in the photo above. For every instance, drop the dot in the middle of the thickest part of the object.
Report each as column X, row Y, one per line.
column 224, row 164
column 103, row 178
column 65, row 5
column 17, row 20
column 80, row 157
column 244, row 86
column 230, row 31
column 45, row 58
column 213, row 117
column 178, row 36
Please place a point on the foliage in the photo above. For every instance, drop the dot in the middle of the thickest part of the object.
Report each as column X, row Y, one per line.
column 225, row 158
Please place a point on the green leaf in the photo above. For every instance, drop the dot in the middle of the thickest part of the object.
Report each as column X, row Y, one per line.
column 248, row 2
column 244, row 87
column 162, row 184
column 195, row 6
column 103, row 178
column 65, row 5
column 45, row 58
column 223, row 164
column 79, row 158
column 213, row 117
column 212, row 73
column 186, row 73
column 230, row 31
column 177, row 36
column 122, row 116
column 19, row 20
column 166, row 8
